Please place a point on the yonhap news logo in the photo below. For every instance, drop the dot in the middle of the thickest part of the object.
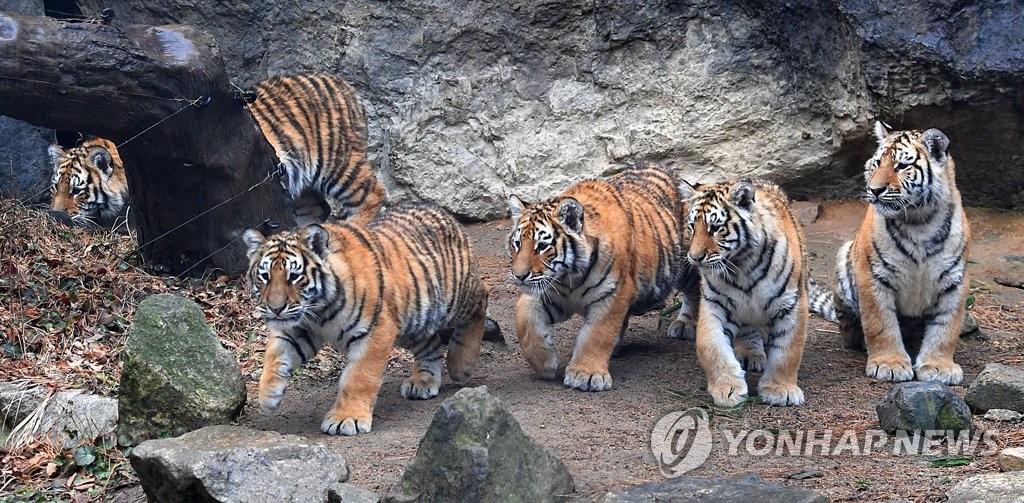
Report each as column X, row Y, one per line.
column 681, row 441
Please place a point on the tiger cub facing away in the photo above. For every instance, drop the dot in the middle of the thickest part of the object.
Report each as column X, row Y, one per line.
column 318, row 130
column 88, row 181
column 602, row 249
column 750, row 252
column 404, row 278
column 906, row 265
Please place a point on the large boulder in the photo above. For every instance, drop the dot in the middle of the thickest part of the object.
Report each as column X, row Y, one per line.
column 998, row 386
column 988, row 488
column 176, row 376
column 236, row 464
column 65, row 419
column 917, row 406
column 475, row 451
column 686, row 489
column 468, row 101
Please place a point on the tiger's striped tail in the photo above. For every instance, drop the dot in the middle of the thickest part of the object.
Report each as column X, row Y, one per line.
column 821, row 300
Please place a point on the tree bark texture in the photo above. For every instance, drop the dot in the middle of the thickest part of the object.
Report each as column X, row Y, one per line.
column 162, row 95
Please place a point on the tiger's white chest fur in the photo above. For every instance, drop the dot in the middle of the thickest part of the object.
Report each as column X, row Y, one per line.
column 919, row 259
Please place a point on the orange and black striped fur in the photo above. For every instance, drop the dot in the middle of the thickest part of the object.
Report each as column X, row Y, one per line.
column 318, row 129
column 88, row 181
column 605, row 250
column 402, row 279
column 905, row 268
column 750, row 252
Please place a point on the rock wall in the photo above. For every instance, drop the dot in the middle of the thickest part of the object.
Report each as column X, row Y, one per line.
column 24, row 163
column 469, row 101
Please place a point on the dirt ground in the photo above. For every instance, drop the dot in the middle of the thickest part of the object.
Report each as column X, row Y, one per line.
column 604, row 437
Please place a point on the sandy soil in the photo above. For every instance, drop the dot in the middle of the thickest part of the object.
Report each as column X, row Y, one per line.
column 604, row 437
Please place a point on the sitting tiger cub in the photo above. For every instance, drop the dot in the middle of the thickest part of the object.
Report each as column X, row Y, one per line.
column 88, row 181
column 906, row 262
column 750, row 251
column 318, row 130
column 402, row 279
column 605, row 250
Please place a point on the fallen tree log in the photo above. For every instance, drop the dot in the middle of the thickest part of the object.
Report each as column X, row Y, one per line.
column 199, row 169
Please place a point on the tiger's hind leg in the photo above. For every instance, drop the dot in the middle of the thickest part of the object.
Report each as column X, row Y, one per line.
column 310, row 208
column 847, row 310
column 749, row 348
column 425, row 381
column 685, row 325
column 464, row 346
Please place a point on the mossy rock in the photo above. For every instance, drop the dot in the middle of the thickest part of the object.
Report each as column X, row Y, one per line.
column 176, row 377
column 921, row 406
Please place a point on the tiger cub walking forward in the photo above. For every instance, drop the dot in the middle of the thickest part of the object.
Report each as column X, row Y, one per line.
column 88, row 181
column 402, row 279
column 603, row 249
column 750, row 251
column 906, row 262
column 318, row 130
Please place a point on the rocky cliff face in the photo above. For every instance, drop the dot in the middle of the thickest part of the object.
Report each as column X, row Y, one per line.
column 469, row 101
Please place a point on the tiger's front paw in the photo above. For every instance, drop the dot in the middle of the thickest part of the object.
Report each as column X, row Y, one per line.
column 421, row 387
column 588, row 381
column 346, row 424
column 680, row 329
column 946, row 373
column 544, row 363
column 728, row 393
column 780, row 394
column 896, row 370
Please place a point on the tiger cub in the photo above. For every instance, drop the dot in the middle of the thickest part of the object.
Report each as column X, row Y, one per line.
column 906, row 262
column 403, row 278
column 318, row 130
column 88, row 181
column 750, row 252
column 602, row 249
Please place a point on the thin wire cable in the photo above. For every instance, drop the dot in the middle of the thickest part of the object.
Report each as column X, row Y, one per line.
column 105, row 91
column 193, row 103
column 218, row 205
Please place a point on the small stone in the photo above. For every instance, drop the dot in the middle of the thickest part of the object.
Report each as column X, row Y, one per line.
column 344, row 493
column 998, row 386
column 1003, row 415
column 808, row 215
column 1003, row 487
column 806, row 474
column 1011, row 459
column 918, row 406
column 970, row 325
column 68, row 418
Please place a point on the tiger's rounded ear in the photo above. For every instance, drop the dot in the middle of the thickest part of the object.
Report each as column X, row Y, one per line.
column 687, row 191
column 55, row 153
column 570, row 212
column 882, row 131
column 516, row 206
column 253, row 240
column 100, row 158
column 316, row 238
column 742, row 194
column 937, row 144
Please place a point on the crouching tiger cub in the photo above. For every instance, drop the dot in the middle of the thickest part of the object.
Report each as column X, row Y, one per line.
column 605, row 250
column 904, row 268
column 318, row 130
column 88, row 181
column 750, row 252
column 401, row 279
